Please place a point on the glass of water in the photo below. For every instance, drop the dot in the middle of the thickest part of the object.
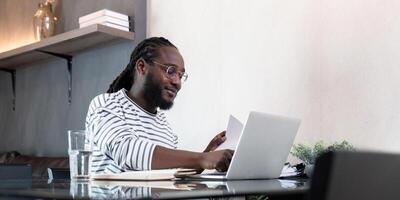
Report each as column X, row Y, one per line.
column 80, row 154
column 80, row 189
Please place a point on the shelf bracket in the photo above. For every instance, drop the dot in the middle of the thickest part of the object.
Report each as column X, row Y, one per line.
column 13, row 78
column 69, row 65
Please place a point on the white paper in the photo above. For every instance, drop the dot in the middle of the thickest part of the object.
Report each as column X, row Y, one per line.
column 232, row 135
column 289, row 171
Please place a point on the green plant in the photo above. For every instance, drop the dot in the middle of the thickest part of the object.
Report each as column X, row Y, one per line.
column 308, row 154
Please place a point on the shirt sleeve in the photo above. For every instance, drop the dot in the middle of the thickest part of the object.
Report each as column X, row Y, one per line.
column 117, row 140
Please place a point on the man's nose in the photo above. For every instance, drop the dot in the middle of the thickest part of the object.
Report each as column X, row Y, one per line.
column 176, row 81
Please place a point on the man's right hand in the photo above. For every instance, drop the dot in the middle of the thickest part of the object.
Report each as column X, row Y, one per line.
column 164, row 158
column 218, row 160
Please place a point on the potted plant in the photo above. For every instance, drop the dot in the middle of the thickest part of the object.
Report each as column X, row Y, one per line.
column 309, row 153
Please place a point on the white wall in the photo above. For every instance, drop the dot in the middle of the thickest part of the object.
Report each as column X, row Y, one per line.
column 332, row 63
column 240, row 56
column 360, row 67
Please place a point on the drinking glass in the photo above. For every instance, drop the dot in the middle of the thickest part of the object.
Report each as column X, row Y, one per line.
column 80, row 154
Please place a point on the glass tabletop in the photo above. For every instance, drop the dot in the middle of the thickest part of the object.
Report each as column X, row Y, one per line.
column 66, row 189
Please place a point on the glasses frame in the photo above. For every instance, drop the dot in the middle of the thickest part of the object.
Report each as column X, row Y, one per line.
column 181, row 75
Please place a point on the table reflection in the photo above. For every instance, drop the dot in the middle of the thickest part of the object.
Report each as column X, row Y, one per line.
column 97, row 189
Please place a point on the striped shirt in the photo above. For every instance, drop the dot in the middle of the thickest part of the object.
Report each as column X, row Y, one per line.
column 124, row 134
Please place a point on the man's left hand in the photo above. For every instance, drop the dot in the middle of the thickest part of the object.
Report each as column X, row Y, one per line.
column 216, row 141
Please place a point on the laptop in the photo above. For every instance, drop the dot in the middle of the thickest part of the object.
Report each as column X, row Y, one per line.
column 262, row 150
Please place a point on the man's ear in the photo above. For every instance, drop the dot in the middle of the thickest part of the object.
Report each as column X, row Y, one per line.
column 141, row 66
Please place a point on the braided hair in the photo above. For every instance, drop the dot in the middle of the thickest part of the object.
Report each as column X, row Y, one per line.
column 148, row 50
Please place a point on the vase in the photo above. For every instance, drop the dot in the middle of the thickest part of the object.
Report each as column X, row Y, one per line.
column 44, row 21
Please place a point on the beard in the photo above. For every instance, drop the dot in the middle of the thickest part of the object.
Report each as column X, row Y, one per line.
column 152, row 94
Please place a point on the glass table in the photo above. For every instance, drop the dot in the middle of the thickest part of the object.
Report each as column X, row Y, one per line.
column 178, row 189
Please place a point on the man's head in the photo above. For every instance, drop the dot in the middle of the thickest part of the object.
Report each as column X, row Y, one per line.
column 161, row 77
column 156, row 70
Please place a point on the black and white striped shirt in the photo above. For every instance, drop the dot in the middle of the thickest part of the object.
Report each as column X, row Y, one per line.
column 124, row 134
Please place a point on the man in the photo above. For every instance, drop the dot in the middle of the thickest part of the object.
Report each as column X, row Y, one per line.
column 130, row 130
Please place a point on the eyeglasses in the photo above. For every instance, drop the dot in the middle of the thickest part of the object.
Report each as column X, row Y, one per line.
column 172, row 72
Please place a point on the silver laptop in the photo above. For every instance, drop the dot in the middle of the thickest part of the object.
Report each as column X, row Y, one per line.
column 262, row 150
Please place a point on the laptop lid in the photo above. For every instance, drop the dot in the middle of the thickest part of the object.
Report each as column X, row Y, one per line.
column 263, row 146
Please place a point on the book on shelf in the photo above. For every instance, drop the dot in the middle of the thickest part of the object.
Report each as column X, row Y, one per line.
column 149, row 175
column 103, row 12
column 107, row 24
column 107, row 19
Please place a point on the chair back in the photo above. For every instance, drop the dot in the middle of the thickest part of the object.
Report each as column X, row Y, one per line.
column 356, row 175
column 58, row 173
column 15, row 171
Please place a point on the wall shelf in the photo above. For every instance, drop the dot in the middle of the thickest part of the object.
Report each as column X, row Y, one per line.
column 62, row 45
column 65, row 43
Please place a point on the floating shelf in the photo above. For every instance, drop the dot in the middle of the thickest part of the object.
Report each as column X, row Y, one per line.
column 65, row 43
column 62, row 46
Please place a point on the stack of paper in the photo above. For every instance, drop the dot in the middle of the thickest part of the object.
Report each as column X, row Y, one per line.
column 291, row 171
column 107, row 18
column 161, row 174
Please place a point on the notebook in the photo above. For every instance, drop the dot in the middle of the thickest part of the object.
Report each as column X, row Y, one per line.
column 262, row 149
column 149, row 175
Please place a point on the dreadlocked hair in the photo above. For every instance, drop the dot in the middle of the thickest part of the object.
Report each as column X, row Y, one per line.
column 148, row 50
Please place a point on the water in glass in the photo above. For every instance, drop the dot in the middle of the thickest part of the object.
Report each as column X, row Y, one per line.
column 79, row 162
